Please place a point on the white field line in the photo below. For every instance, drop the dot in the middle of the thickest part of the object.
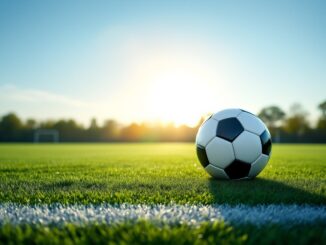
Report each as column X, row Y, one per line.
column 58, row 214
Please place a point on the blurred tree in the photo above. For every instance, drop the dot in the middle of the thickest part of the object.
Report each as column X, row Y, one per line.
column 322, row 107
column 185, row 133
column 10, row 126
column 296, row 123
column 110, row 130
column 271, row 115
column 46, row 124
column 31, row 123
column 321, row 124
column 69, row 130
column 169, row 132
column 133, row 132
column 93, row 132
column 93, row 124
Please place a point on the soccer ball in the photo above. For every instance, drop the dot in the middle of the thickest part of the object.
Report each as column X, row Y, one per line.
column 233, row 144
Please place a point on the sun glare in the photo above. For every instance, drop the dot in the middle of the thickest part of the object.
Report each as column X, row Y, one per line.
column 173, row 97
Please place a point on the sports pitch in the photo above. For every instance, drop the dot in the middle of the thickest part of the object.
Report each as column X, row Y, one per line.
column 146, row 179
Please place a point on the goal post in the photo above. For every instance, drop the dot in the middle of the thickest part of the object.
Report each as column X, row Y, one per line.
column 40, row 134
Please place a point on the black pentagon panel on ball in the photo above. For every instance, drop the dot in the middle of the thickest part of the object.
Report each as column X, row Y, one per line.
column 202, row 156
column 237, row 169
column 229, row 128
column 266, row 142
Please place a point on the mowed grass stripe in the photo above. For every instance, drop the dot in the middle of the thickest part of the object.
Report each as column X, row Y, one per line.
column 58, row 214
column 152, row 174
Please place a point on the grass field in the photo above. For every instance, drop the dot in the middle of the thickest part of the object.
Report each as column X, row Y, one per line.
column 156, row 174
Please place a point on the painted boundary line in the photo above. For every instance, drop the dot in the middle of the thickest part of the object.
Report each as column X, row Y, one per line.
column 58, row 214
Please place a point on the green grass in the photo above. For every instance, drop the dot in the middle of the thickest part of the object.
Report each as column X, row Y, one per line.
column 147, row 233
column 152, row 173
column 155, row 173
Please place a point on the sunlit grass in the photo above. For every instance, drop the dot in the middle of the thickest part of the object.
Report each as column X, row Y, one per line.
column 152, row 173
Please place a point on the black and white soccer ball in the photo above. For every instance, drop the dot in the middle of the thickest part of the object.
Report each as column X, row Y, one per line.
column 233, row 144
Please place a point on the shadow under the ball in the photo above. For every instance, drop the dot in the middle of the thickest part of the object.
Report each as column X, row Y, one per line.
column 260, row 191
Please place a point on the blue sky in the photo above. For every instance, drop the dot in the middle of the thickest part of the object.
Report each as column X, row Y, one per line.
column 159, row 60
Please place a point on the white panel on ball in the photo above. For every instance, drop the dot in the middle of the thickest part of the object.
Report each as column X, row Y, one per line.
column 220, row 152
column 247, row 147
column 206, row 132
column 251, row 123
column 226, row 114
column 216, row 172
column 258, row 165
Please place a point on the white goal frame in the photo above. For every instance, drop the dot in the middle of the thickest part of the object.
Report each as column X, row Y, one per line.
column 48, row 132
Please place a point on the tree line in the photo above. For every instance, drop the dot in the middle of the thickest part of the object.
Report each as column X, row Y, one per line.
column 292, row 126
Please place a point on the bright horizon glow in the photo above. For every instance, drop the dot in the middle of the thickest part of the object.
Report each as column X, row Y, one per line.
column 174, row 88
column 159, row 61
column 172, row 98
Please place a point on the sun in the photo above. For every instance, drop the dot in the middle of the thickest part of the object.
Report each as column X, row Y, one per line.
column 174, row 97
